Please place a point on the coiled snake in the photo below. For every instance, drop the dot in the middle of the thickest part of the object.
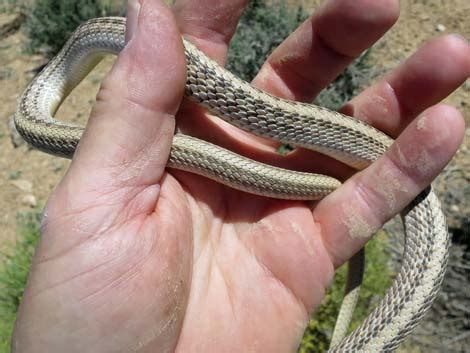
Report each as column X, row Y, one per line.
column 343, row 138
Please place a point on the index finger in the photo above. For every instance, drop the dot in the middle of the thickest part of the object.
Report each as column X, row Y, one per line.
column 352, row 213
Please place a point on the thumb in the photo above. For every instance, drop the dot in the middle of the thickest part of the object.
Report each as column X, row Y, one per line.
column 128, row 137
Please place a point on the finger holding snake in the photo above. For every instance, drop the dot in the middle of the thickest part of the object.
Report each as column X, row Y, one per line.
column 311, row 49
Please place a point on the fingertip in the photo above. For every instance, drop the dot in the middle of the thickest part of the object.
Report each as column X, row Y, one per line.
column 366, row 19
column 453, row 51
column 428, row 144
column 424, row 79
column 443, row 126
column 442, row 63
column 349, row 215
column 321, row 47
column 459, row 48
column 128, row 136
column 157, row 36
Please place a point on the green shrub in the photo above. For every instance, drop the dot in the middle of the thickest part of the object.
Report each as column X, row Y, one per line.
column 50, row 23
column 261, row 29
column 347, row 85
column 376, row 280
column 14, row 268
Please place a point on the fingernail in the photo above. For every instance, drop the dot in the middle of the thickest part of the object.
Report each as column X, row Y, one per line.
column 133, row 9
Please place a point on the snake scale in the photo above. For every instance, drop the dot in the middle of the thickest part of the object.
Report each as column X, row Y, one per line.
column 301, row 125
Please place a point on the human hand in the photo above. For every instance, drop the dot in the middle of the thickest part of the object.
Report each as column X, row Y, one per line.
column 134, row 257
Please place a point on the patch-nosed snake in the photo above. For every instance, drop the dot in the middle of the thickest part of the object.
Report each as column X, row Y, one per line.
column 343, row 138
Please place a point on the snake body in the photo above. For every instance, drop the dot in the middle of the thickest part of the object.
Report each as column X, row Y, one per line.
column 343, row 138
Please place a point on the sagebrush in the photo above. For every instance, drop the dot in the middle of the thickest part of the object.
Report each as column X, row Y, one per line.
column 50, row 23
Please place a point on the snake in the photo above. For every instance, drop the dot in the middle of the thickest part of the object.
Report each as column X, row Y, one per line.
column 316, row 128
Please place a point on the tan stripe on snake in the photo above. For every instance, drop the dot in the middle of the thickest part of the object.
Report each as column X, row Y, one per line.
column 308, row 126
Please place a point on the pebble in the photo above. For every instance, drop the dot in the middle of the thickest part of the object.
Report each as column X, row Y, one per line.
column 56, row 165
column 23, row 185
column 440, row 27
column 29, row 200
column 454, row 208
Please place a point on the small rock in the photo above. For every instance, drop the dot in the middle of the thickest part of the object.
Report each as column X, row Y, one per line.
column 29, row 200
column 440, row 27
column 23, row 185
column 14, row 174
column 56, row 165
column 455, row 208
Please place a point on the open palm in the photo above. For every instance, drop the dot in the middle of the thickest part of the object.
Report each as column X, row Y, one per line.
column 134, row 257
